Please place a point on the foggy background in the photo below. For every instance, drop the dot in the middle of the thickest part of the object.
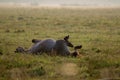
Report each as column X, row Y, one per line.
column 63, row 2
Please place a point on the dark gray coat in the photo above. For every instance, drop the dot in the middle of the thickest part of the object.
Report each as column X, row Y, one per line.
column 61, row 48
column 43, row 46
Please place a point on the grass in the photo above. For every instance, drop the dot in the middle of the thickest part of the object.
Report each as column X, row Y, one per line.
column 98, row 30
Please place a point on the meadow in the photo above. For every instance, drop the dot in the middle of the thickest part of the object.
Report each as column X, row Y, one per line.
column 97, row 30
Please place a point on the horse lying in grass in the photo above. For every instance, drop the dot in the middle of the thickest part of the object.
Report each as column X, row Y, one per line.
column 50, row 46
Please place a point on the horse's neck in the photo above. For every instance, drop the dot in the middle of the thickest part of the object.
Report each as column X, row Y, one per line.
column 61, row 46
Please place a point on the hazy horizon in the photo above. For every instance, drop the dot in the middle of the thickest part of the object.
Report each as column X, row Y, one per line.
column 107, row 3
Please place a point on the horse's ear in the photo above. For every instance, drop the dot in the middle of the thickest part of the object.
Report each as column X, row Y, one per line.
column 66, row 37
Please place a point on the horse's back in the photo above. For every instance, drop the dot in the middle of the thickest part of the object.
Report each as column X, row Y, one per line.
column 47, row 45
column 43, row 46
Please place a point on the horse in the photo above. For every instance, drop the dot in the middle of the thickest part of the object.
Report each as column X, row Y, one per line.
column 49, row 46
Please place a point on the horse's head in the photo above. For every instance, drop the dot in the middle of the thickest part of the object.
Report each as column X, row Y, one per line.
column 67, row 41
column 19, row 50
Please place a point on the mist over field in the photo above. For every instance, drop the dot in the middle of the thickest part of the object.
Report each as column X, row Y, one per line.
column 93, row 27
column 77, row 3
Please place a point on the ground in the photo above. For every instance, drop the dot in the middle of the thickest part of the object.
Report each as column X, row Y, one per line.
column 97, row 30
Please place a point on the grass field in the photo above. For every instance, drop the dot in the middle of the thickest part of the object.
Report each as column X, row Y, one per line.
column 98, row 30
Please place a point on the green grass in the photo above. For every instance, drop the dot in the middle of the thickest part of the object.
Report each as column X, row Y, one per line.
column 98, row 30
